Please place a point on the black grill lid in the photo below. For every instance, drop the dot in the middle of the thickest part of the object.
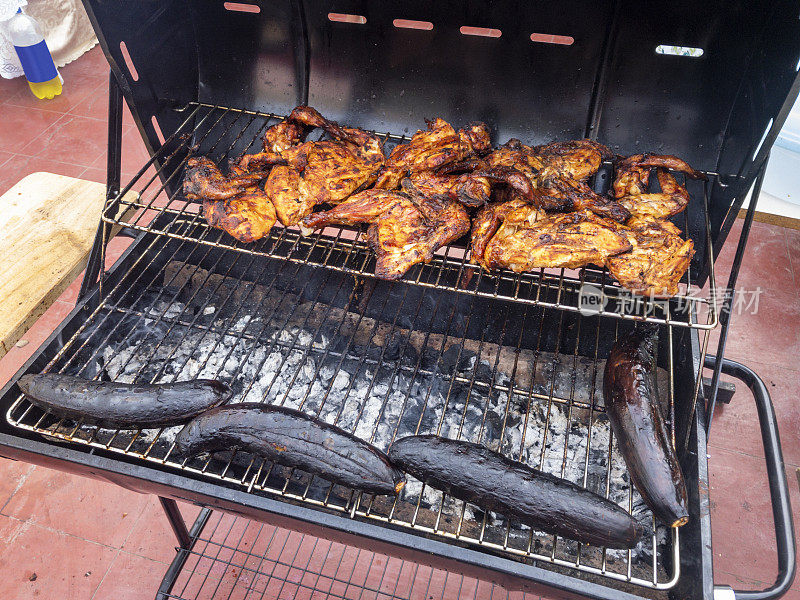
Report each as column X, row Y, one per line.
column 354, row 61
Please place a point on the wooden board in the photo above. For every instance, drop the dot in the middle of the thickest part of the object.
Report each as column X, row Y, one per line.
column 47, row 226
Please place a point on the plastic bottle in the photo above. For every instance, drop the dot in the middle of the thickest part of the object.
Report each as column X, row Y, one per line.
column 40, row 70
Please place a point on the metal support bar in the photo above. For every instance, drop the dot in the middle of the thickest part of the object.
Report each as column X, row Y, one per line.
column 176, row 521
column 113, row 175
column 725, row 312
column 176, row 566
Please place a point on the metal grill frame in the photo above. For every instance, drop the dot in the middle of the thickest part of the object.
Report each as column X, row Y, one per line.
column 356, row 506
column 150, row 212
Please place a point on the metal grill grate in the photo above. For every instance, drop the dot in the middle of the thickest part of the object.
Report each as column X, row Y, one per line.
column 380, row 359
column 225, row 132
column 232, row 557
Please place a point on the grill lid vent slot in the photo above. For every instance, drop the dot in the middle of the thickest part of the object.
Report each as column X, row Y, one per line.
column 480, row 31
column 346, row 18
column 679, row 51
column 545, row 38
column 409, row 24
column 242, row 7
column 128, row 61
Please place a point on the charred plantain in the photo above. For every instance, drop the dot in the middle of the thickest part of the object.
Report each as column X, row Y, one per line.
column 637, row 422
column 473, row 473
column 293, row 439
column 123, row 405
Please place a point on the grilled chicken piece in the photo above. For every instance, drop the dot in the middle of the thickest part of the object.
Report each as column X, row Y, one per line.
column 528, row 238
column 247, row 217
column 657, row 260
column 577, row 159
column 323, row 172
column 428, row 150
column 633, row 172
column 204, row 181
column 277, row 139
column 486, row 223
column 672, row 199
column 575, row 195
column 406, row 227
column 469, row 189
column 556, row 172
column 633, row 179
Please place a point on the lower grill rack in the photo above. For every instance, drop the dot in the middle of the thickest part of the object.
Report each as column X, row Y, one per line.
column 232, row 557
column 382, row 360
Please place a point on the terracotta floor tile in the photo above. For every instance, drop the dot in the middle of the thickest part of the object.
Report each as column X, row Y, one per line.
column 134, row 154
column 5, row 157
column 735, row 426
column 19, row 166
column 76, row 140
column 94, row 174
column 75, row 90
column 742, row 532
column 21, row 125
column 13, row 475
column 151, row 535
column 11, row 87
column 766, row 252
column 90, row 509
column 65, row 567
column 95, row 104
column 131, row 578
column 770, row 335
column 9, row 529
column 793, row 244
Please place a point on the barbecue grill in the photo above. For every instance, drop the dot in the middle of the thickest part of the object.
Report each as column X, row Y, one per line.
column 514, row 361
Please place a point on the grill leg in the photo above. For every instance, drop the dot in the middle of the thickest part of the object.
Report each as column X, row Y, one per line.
column 113, row 170
column 176, row 522
column 175, row 568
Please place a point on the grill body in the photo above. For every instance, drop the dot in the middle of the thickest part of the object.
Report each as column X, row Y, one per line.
column 230, row 488
column 386, row 66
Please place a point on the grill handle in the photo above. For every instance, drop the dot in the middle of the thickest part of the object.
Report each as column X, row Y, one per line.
column 778, row 488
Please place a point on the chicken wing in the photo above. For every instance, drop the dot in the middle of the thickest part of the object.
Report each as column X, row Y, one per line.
column 427, row 150
column 657, row 260
column 205, row 180
column 528, row 239
column 247, row 217
column 633, row 179
column 406, row 228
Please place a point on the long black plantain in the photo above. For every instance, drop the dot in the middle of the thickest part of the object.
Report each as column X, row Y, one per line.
column 637, row 423
column 294, row 439
column 123, row 405
column 491, row 481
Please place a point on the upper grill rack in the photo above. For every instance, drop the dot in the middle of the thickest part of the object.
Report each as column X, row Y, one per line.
column 223, row 132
